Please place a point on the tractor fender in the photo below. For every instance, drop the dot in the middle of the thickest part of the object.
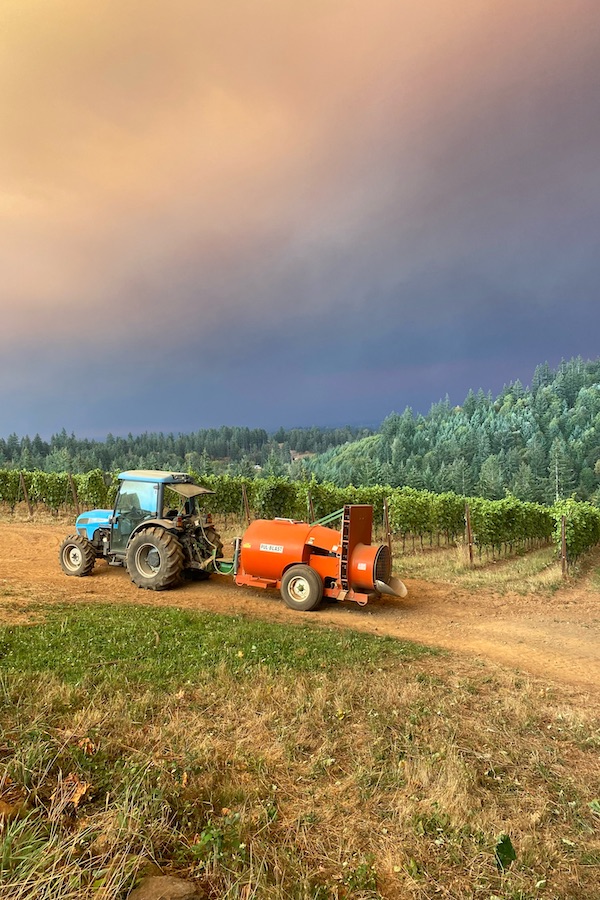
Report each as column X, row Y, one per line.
column 167, row 524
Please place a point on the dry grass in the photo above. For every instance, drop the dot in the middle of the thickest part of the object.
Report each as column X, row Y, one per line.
column 41, row 514
column 390, row 780
column 535, row 572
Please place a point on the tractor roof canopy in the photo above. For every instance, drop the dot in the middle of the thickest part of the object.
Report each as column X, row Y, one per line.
column 178, row 481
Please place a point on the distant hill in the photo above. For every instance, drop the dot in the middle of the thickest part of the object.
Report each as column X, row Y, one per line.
column 537, row 443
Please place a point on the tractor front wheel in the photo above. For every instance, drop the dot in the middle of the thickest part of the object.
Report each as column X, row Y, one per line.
column 301, row 588
column 155, row 559
column 77, row 555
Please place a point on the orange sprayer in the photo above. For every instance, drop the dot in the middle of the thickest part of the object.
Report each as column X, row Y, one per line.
column 309, row 562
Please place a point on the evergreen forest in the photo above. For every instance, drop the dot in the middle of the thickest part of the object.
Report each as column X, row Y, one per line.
column 226, row 450
column 538, row 443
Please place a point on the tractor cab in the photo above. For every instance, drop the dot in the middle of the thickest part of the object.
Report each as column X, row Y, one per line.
column 147, row 496
column 136, row 502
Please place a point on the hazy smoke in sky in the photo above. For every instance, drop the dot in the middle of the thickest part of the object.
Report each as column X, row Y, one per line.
column 255, row 175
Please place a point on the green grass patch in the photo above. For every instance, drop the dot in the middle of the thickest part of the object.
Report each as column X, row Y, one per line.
column 283, row 762
column 166, row 646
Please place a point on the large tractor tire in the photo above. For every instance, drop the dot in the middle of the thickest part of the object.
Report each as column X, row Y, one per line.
column 77, row 555
column 155, row 559
column 301, row 588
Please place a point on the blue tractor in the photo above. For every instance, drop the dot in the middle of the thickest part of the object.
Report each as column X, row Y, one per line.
column 155, row 530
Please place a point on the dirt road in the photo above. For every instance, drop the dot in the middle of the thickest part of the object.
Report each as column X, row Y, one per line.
column 553, row 636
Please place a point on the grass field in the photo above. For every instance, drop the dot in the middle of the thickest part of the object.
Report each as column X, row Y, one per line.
column 532, row 572
column 273, row 761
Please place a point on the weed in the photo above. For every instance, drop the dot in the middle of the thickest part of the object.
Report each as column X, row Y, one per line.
column 309, row 776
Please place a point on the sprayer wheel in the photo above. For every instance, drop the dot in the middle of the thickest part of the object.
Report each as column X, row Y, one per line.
column 301, row 588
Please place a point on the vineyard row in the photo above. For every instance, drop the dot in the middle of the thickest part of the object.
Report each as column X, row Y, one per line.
column 411, row 512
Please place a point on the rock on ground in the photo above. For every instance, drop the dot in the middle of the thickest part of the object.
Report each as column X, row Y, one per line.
column 164, row 887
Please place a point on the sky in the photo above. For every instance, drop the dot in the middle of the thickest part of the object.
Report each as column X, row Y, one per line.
column 272, row 212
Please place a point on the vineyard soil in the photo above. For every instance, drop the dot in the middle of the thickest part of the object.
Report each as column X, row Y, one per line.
column 555, row 636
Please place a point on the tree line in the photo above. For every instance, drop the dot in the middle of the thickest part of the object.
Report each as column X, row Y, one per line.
column 231, row 450
column 540, row 444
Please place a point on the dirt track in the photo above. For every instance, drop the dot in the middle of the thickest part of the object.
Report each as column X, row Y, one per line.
column 556, row 637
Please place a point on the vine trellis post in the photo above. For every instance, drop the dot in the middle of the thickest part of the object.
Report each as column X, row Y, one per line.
column 469, row 533
column 563, row 546
column 23, row 487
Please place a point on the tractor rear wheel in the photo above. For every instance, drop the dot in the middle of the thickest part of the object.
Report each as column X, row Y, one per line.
column 77, row 555
column 301, row 588
column 155, row 559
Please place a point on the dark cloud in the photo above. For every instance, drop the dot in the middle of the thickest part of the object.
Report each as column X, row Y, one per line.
column 290, row 213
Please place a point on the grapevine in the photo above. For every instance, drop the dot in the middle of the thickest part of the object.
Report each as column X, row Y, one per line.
column 412, row 512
